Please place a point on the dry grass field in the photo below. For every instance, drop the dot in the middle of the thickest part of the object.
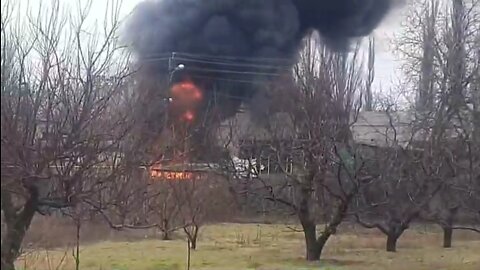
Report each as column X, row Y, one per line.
column 272, row 247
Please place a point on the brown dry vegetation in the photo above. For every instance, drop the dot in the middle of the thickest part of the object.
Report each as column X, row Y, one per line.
column 259, row 246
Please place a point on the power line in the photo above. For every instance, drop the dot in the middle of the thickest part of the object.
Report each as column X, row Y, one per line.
column 219, row 63
column 173, row 55
column 155, row 59
column 232, row 71
column 231, row 80
column 216, row 63
column 236, row 58
column 182, row 59
column 227, row 71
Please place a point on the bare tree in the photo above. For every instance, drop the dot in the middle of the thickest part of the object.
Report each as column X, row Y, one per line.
column 202, row 199
column 440, row 63
column 165, row 208
column 161, row 189
column 404, row 177
column 193, row 212
column 58, row 82
column 301, row 158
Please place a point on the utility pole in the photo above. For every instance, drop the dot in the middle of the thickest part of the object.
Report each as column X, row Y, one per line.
column 172, row 71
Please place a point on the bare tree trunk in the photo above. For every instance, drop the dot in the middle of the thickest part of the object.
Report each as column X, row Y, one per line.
column 17, row 226
column 192, row 234
column 313, row 249
column 395, row 229
column 193, row 240
column 193, row 243
column 338, row 215
column 392, row 242
column 166, row 235
column 447, row 227
column 12, row 241
column 447, row 236
column 166, row 230
column 314, row 246
column 393, row 234
column 8, row 259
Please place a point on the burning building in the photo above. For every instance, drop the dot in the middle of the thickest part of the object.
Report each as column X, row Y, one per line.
column 215, row 54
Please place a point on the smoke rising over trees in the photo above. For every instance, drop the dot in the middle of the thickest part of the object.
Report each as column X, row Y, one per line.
column 270, row 28
column 269, row 32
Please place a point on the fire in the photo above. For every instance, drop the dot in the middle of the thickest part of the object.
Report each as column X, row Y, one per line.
column 186, row 91
column 188, row 116
column 169, row 175
column 158, row 173
column 186, row 98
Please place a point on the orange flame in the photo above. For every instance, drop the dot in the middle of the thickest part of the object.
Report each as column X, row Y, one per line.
column 157, row 173
column 188, row 116
column 186, row 91
column 186, row 98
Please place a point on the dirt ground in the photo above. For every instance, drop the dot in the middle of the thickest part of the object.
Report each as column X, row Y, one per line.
column 269, row 247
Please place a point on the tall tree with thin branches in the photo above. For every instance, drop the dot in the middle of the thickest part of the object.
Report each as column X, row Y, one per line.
column 58, row 85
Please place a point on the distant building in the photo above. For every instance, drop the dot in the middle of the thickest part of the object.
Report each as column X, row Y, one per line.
column 382, row 129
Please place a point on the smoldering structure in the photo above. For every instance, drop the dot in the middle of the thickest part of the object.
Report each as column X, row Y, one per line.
column 228, row 48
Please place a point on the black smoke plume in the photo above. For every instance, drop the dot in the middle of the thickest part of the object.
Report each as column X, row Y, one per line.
column 228, row 47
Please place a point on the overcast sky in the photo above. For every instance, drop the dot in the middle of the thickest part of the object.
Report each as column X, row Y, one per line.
column 386, row 67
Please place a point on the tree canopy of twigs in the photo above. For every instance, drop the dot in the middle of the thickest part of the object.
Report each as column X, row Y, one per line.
column 60, row 82
column 303, row 161
column 437, row 169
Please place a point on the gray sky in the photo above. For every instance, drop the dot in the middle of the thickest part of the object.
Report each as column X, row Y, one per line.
column 386, row 67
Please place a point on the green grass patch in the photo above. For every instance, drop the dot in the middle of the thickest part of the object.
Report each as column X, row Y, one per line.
column 267, row 247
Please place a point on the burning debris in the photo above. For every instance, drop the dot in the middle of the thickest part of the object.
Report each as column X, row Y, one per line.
column 227, row 47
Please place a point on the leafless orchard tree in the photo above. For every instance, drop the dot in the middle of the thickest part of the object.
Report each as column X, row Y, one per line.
column 160, row 188
column 443, row 62
column 58, row 82
column 193, row 210
column 177, row 198
column 201, row 201
column 140, row 203
column 302, row 158
column 431, row 169
column 404, row 178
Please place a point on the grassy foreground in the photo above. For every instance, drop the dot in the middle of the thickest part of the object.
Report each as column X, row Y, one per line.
column 275, row 247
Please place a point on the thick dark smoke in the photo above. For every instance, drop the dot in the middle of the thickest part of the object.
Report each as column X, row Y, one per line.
column 254, row 28
column 259, row 37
